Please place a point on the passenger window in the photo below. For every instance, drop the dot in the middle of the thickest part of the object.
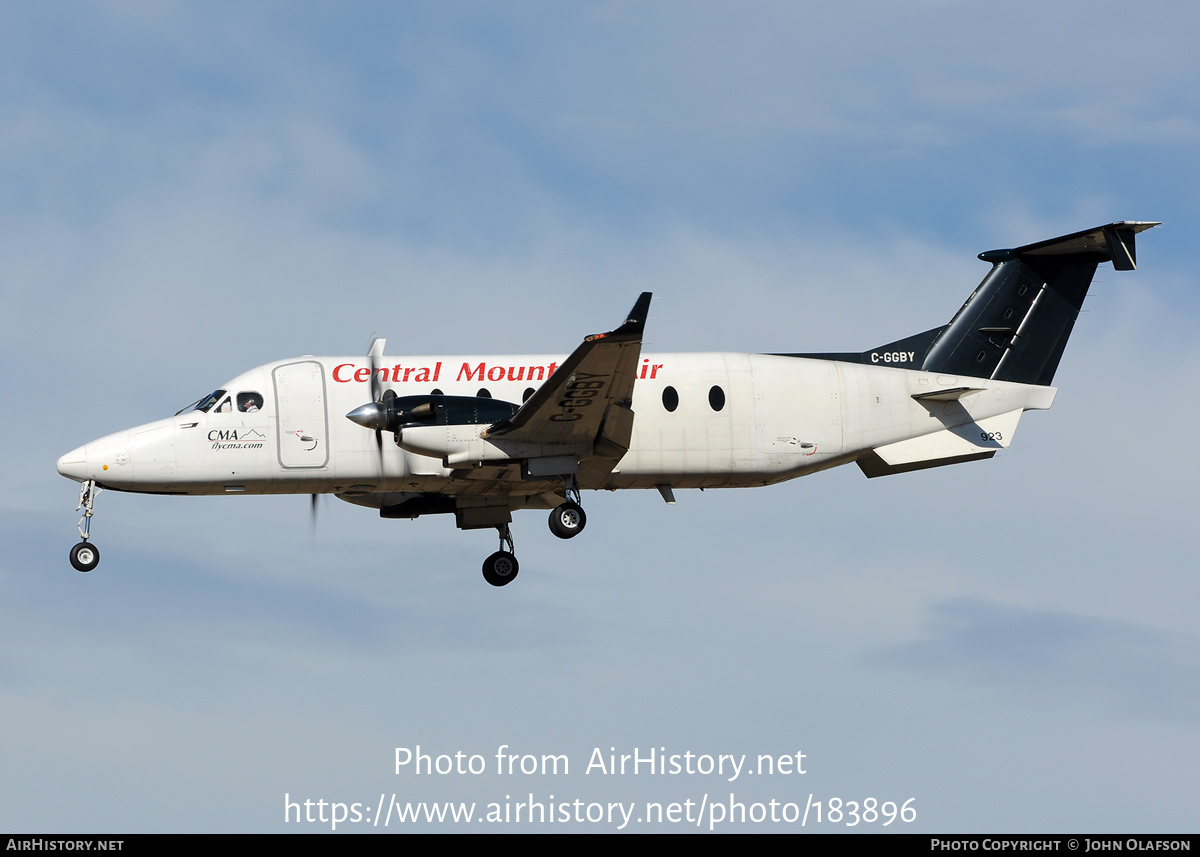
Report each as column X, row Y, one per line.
column 670, row 398
column 716, row 398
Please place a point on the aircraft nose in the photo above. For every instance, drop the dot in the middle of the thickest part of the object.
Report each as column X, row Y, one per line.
column 73, row 465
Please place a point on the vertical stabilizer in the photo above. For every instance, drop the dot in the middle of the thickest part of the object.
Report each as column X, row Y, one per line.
column 1016, row 323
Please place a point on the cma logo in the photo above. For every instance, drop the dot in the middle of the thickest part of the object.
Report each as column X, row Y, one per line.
column 231, row 434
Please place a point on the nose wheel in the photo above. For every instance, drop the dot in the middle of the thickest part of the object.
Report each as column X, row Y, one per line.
column 500, row 569
column 85, row 556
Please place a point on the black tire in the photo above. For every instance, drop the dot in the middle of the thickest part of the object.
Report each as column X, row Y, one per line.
column 567, row 520
column 500, row 569
column 85, row 556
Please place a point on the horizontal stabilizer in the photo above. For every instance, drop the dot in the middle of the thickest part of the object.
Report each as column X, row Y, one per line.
column 970, row 442
column 951, row 395
column 1111, row 243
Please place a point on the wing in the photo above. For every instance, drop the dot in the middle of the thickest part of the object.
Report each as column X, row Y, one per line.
column 587, row 402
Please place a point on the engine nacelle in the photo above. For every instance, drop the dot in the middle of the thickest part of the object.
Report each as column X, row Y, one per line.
column 396, row 412
column 461, row 447
column 449, row 429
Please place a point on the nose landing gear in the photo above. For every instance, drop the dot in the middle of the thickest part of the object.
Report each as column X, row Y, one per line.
column 85, row 556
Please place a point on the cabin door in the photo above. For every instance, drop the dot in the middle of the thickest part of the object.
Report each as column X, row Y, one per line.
column 302, row 426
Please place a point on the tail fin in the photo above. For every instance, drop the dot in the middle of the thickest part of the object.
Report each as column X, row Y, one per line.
column 1015, row 325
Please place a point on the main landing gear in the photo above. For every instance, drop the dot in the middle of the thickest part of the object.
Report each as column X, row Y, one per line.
column 85, row 556
column 501, row 568
column 568, row 520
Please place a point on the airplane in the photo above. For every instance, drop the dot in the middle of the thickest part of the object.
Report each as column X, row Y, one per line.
column 482, row 437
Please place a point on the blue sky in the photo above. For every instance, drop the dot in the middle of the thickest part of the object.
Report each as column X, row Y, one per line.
column 190, row 190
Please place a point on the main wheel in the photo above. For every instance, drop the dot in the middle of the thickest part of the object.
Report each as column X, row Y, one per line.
column 85, row 556
column 567, row 520
column 500, row 568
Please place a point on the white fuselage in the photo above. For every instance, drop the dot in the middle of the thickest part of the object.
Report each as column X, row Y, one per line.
column 740, row 420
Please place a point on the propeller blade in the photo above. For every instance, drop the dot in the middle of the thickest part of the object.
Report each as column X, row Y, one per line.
column 381, row 423
column 374, row 354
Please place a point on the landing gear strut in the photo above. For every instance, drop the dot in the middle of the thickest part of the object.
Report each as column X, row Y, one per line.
column 86, row 556
column 568, row 519
column 500, row 568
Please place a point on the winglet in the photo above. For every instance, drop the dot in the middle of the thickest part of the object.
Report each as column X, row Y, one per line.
column 634, row 325
column 637, row 316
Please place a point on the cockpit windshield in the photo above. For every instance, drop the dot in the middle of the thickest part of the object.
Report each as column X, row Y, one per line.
column 221, row 402
column 206, row 403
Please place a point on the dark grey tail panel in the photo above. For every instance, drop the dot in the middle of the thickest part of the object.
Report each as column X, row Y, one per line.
column 1015, row 325
column 907, row 353
column 1033, row 353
